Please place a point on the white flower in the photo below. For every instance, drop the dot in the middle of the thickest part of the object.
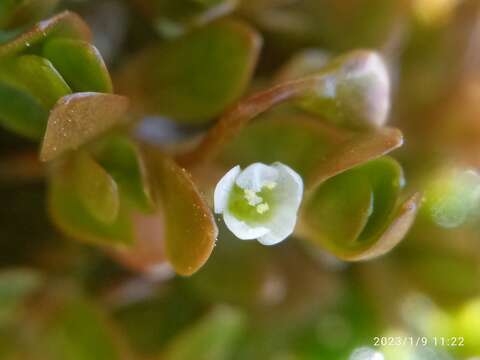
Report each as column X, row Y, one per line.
column 260, row 202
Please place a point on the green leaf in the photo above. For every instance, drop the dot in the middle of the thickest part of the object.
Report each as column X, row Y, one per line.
column 15, row 286
column 96, row 189
column 36, row 76
column 195, row 77
column 190, row 229
column 64, row 25
column 210, row 339
column 294, row 139
column 69, row 213
column 120, row 157
column 340, row 209
column 386, row 179
column 21, row 113
column 363, row 101
column 356, row 150
column 80, row 64
column 355, row 214
column 79, row 118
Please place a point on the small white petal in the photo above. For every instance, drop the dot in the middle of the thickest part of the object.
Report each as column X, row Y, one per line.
column 287, row 190
column 288, row 197
column 270, row 239
column 223, row 189
column 290, row 186
column 281, row 226
column 255, row 176
column 241, row 229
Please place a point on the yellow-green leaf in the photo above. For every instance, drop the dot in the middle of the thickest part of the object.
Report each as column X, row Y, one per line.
column 69, row 213
column 64, row 25
column 355, row 213
column 21, row 113
column 121, row 158
column 80, row 64
column 36, row 76
column 96, row 189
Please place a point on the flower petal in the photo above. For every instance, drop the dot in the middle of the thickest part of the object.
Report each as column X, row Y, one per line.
column 241, row 229
column 255, row 176
column 223, row 189
column 272, row 239
column 288, row 196
column 290, row 187
column 281, row 226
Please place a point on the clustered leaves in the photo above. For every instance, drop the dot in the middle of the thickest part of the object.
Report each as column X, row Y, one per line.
column 231, row 87
column 104, row 186
column 101, row 184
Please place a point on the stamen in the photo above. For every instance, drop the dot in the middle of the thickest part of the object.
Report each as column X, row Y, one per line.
column 262, row 208
column 252, row 198
column 270, row 185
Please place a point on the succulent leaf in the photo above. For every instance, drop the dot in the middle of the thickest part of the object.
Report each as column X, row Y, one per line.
column 96, row 189
column 195, row 77
column 80, row 64
column 79, row 118
column 356, row 215
column 35, row 76
column 190, row 229
column 122, row 159
column 64, row 25
column 69, row 211
column 21, row 113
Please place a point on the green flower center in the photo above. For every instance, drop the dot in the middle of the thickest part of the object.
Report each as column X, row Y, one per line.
column 250, row 206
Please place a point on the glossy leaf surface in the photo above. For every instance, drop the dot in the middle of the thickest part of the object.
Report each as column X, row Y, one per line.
column 78, row 119
column 121, row 158
column 96, row 189
column 64, row 25
column 70, row 213
column 35, row 76
column 354, row 213
column 190, row 229
column 21, row 113
column 80, row 64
